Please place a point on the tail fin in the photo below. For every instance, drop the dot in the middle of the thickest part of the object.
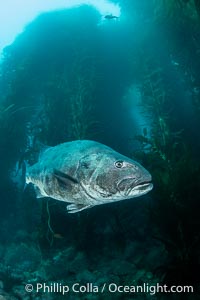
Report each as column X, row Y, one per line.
column 20, row 174
column 24, row 168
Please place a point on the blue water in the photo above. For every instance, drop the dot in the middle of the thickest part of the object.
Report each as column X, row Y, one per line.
column 131, row 83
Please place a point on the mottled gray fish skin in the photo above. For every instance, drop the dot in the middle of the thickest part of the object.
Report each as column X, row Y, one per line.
column 87, row 173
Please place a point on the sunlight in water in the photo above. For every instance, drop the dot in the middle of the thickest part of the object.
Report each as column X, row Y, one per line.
column 14, row 15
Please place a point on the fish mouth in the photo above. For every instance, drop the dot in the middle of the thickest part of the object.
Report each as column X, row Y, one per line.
column 141, row 188
column 133, row 187
column 144, row 185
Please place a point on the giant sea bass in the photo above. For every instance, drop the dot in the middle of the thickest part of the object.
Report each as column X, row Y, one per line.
column 87, row 173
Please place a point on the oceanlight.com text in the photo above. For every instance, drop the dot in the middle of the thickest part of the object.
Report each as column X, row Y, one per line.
column 111, row 288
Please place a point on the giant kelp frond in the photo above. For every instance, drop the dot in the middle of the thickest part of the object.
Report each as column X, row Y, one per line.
column 176, row 176
column 176, row 10
column 5, row 111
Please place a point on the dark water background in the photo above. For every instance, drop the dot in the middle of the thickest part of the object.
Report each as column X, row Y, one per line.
column 132, row 84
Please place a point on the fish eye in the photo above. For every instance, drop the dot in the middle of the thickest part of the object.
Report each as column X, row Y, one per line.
column 119, row 164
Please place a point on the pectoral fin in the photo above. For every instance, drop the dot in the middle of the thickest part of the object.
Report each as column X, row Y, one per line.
column 74, row 208
column 64, row 179
column 38, row 192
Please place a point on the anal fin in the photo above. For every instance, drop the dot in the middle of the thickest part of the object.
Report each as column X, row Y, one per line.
column 74, row 208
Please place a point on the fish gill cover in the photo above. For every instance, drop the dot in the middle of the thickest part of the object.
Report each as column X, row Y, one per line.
column 131, row 83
